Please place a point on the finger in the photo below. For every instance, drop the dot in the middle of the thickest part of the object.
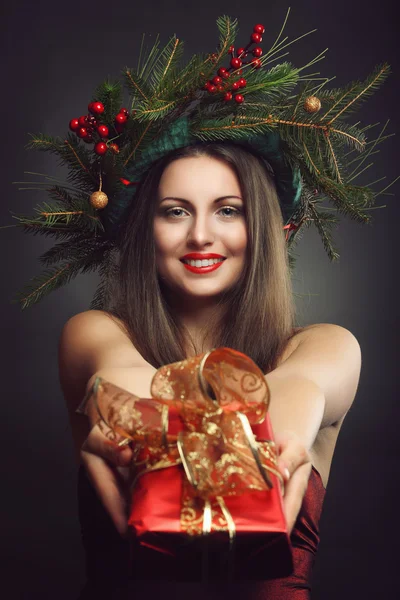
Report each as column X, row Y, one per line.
column 294, row 493
column 108, row 488
column 293, row 454
column 103, row 442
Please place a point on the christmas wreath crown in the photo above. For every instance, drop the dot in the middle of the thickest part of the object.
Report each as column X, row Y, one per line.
column 232, row 94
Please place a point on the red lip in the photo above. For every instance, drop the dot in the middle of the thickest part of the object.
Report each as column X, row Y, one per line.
column 203, row 270
column 200, row 256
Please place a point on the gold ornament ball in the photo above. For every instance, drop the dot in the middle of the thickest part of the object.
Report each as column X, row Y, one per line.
column 312, row 104
column 98, row 200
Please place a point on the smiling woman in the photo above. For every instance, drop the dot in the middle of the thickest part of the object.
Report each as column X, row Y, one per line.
column 210, row 198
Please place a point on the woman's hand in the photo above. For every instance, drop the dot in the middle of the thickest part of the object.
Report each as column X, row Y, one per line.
column 294, row 463
column 107, row 466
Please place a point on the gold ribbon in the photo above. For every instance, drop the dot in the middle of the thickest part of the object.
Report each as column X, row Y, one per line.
column 216, row 447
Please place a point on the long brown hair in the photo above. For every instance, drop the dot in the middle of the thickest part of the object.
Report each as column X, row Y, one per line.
column 258, row 314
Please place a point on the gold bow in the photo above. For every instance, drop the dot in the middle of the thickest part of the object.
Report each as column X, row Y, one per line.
column 214, row 398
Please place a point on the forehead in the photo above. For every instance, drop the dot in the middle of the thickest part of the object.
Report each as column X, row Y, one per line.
column 198, row 174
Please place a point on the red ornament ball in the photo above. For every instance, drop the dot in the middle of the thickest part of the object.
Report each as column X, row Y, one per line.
column 242, row 82
column 236, row 63
column 121, row 118
column 259, row 29
column 256, row 38
column 239, row 98
column 100, row 148
column 240, row 51
column 231, row 49
column 82, row 132
column 221, row 71
column 235, row 86
column 217, row 80
column 102, row 130
column 74, row 124
column 83, row 121
column 96, row 108
column 228, row 96
column 256, row 62
column 257, row 51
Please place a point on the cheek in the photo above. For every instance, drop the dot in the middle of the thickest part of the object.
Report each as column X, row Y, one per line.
column 166, row 238
column 238, row 239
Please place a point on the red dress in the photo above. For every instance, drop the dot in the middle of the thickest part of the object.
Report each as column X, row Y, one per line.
column 108, row 561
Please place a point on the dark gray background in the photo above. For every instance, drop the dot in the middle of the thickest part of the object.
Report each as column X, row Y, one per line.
column 54, row 55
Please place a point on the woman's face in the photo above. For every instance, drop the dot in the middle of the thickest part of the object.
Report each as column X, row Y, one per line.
column 200, row 217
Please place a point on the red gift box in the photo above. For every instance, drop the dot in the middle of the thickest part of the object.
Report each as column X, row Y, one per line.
column 206, row 493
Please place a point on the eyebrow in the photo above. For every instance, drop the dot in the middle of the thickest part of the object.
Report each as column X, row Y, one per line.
column 188, row 202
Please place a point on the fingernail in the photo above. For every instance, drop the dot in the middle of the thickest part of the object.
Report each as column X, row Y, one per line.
column 286, row 472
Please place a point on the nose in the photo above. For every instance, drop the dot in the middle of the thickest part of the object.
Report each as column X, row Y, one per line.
column 201, row 232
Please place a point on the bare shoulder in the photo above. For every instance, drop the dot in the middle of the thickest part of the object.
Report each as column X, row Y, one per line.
column 98, row 339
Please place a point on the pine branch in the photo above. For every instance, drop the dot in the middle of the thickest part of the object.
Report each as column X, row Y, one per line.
column 107, row 271
column 54, row 278
column 54, row 216
column 349, row 98
column 69, row 250
column 325, row 222
column 227, row 128
column 139, row 89
column 167, row 64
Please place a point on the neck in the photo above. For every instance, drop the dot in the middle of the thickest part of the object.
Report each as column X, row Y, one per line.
column 198, row 318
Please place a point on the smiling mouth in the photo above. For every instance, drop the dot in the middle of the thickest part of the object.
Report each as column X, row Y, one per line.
column 205, row 262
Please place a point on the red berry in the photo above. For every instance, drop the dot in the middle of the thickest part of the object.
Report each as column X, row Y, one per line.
column 256, row 38
column 239, row 98
column 235, row 86
column 96, row 108
column 82, row 132
column 242, row 82
column 88, row 139
column 257, row 51
column 221, row 71
column 100, row 148
column 240, row 51
column 114, row 148
column 83, row 121
column 212, row 88
column 256, row 62
column 220, row 88
column 90, row 106
column 102, row 130
column 259, row 29
column 125, row 112
column 231, row 49
column 228, row 96
column 74, row 124
column 217, row 80
column 226, row 75
column 121, row 118
column 236, row 63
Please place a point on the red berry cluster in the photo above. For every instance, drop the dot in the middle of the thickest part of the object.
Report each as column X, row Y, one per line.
column 220, row 82
column 88, row 128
